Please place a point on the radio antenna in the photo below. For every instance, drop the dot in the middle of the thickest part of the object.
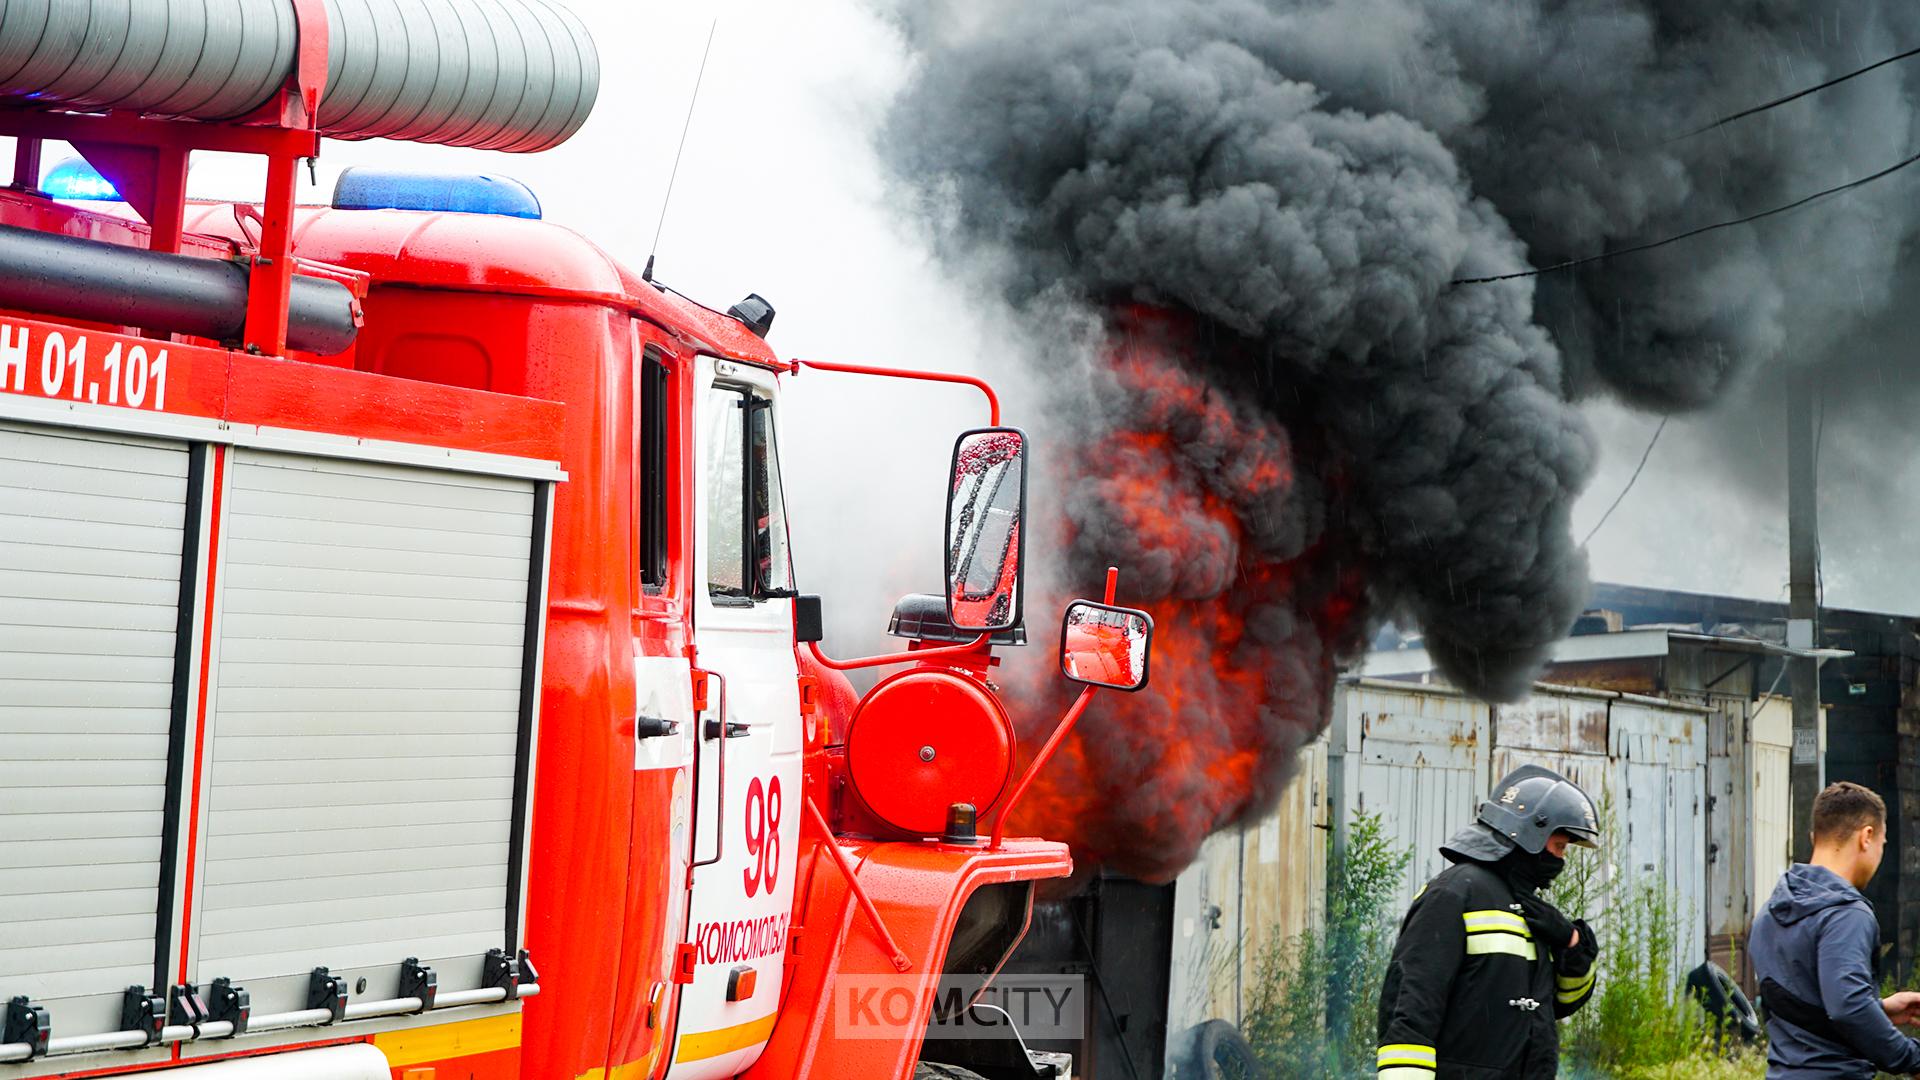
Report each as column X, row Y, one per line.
column 647, row 274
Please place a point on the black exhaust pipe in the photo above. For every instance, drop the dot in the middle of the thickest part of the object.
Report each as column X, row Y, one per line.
column 65, row 276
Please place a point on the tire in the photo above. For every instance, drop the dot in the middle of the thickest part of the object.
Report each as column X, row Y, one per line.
column 1224, row 1054
column 933, row 1070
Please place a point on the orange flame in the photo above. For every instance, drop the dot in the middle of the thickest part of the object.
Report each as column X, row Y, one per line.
column 1245, row 645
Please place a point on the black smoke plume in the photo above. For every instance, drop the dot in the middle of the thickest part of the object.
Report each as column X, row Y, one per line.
column 1265, row 205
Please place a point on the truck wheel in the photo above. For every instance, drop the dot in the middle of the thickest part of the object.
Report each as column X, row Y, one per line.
column 933, row 1070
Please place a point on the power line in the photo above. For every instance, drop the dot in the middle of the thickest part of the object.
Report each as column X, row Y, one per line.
column 1796, row 95
column 1618, row 499
column 1768, row 696
column 1650, row 245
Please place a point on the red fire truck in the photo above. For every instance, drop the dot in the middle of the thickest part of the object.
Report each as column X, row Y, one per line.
column 401, row 666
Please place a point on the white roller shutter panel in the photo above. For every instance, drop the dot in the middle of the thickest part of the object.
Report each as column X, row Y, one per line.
column 365, row 716
column 90, row 565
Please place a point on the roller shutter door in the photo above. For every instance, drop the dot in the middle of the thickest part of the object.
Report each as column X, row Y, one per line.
column 365, row 718
column 91, row 532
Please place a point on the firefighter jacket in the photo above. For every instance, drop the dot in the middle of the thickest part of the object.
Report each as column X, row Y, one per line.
column 1473, row 989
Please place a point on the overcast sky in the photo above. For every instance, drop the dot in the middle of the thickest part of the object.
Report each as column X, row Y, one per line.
column 780, row 193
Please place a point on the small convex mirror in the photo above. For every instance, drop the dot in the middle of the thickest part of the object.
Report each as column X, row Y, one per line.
column 1103, row 645
column 986, row 505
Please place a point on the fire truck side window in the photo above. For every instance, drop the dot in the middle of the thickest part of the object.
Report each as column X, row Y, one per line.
column 773, row 566
column 653, row 471
column 746, row 516
column 727, row 494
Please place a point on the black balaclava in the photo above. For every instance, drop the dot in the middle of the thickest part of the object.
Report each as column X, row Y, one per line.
column 1532, row 871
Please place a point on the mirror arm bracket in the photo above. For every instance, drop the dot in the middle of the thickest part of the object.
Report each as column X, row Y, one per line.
column 1039, row 762
column 847, row 870
column 1053, row 742
column 993, row 400
column 976, row 645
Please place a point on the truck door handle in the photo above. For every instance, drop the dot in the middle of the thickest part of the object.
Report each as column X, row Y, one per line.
column 654, row 727
column 722, row 733
column 712, row 729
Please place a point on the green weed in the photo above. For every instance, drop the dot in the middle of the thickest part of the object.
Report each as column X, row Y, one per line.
column 1312, row 1010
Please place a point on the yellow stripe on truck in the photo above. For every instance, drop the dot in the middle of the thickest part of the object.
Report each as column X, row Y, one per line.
column 634, row 1070
column 439, row 1042
column 707, row 1044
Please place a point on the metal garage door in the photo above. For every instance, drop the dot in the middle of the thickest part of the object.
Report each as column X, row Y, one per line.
column 91, row 531
column 366, row 716
column 1416, row 756
column 1562, row 729
column 1660, row 770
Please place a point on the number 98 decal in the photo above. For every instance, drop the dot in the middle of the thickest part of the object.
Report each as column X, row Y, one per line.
column 763, row 835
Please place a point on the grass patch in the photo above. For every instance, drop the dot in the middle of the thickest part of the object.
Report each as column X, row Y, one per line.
column 1312, row 1011
column 1702, row 1065
column 1641, row 1021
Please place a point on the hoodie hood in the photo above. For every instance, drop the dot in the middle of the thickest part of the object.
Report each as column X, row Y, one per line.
column 1807, row 890
column 1476, row 843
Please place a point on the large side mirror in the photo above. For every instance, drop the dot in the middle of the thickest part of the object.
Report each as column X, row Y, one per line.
column 985, row 543
column 1103, row 645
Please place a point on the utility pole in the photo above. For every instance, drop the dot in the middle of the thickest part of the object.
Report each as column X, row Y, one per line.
column 1803, row 610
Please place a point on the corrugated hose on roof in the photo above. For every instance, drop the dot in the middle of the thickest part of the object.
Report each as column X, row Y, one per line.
column 514, row 75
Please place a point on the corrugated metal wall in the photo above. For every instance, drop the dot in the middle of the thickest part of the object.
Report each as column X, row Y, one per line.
column 1254, row 886
column 1656, row 787
column 1772, row 754
column 1564, row 729
column 1730, row 815
column 1414, row 755
column 1423, row 757
column 1418, row 756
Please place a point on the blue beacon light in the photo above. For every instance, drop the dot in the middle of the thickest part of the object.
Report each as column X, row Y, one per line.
column 73, row 178
column 361, row 188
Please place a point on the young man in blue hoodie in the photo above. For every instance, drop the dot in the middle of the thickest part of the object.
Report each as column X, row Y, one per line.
column 1816, row 951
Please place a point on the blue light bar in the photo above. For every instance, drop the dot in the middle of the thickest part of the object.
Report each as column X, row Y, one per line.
column 363, row 188
column 73, row 178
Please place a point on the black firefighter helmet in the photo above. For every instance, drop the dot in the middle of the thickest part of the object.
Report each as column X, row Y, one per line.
column 1532, row 803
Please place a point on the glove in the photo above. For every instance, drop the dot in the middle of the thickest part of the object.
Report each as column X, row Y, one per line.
column 1578, row 959
column 1548, row 924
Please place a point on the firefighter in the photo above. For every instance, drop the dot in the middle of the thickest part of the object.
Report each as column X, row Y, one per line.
column 1484, row 966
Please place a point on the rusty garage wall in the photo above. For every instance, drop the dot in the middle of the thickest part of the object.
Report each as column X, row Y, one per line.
column 1417, row 756
column 1423, row 757
column 1257, row 884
